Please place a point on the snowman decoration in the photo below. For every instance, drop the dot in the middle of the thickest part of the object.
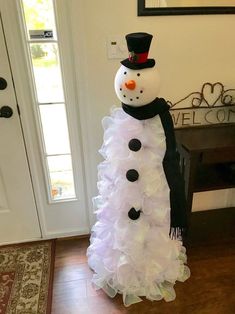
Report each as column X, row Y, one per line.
column 136, row 244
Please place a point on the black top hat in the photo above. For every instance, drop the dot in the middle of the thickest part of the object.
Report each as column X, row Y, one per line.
column 138, row 46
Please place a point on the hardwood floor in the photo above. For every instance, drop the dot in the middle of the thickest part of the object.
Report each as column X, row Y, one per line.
column 210, row 289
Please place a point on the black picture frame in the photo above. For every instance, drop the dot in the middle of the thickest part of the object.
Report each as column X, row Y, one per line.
column 143, row 11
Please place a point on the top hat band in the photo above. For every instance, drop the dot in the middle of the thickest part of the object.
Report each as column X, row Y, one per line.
column 138, row 57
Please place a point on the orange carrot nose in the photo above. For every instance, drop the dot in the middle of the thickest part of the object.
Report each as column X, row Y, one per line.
column 130, row 84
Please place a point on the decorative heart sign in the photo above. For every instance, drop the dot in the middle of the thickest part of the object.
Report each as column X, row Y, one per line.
column 212, row 93
column 214, row 104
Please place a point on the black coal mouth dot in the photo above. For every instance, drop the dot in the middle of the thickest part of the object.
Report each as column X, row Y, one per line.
column 131, row 99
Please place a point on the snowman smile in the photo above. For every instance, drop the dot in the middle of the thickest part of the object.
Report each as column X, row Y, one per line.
column 130, row 95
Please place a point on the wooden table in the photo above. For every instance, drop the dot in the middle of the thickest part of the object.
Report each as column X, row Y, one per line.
column 207, row 157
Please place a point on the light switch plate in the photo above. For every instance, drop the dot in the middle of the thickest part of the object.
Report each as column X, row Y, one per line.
column 117, row 47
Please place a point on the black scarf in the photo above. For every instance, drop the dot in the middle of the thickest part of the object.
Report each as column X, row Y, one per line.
column 148, row 111
column 170, row 162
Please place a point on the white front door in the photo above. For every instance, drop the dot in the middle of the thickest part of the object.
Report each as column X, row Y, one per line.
column 18, row 214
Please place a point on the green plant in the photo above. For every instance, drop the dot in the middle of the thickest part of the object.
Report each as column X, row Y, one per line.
column 37, row 51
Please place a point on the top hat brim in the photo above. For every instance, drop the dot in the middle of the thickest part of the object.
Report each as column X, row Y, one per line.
column 138, row 66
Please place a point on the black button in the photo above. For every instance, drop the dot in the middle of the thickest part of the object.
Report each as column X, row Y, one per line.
column 133, row 214
column 3, row 83
column 132, row 175
column 135, row 144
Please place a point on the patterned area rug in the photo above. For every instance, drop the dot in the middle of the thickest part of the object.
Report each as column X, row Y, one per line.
column 26, row 275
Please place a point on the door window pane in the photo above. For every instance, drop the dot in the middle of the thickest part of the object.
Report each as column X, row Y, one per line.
column 39, row 15
column 44, row 54
column 61, row 177
column 55, row 129
column 47, row 72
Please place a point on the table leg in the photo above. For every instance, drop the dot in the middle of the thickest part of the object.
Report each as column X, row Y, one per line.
column 189, row 177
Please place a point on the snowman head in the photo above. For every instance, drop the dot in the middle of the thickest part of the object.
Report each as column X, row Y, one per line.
column 137, row 80
column 136, row 87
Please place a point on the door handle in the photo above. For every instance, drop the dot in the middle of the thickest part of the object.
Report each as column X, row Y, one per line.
column 6, row 112
column 3, row 83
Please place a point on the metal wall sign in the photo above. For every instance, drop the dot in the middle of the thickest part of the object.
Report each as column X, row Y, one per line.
column 203, row 116
column 212, row 105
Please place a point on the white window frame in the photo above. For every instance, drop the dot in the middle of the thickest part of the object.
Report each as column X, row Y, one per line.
column 37, row 104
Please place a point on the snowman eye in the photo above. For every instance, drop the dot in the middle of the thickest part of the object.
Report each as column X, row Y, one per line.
column 138, row 74
column 124, row 73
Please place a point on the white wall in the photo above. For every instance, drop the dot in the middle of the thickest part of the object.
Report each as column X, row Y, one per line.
column 189, row 50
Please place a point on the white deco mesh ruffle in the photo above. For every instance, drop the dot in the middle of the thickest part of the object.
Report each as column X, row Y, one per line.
column 134, row 257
